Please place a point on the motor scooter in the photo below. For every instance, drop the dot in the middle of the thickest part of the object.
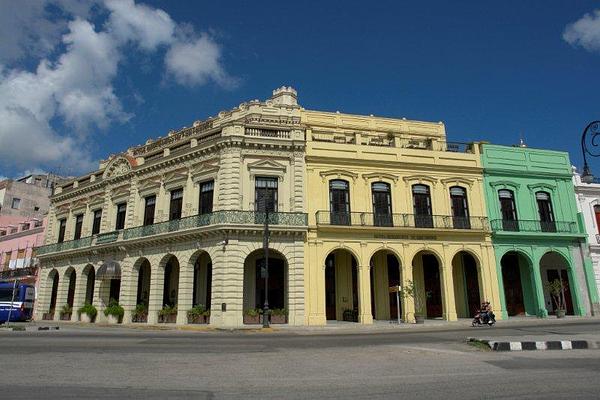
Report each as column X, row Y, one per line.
column 484, row 318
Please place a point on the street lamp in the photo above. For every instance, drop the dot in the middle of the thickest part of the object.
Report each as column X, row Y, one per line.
column 590, row 132
column 267, row 201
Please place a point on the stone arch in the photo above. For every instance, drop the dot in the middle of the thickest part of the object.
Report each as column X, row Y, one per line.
column 518, row 283
column 70, row 276
column 427, row 279
column 349, row 249
column 89, row 274
column 170, row 267
column 341, row 284
column 202, row 264
column 467, row 278
column 385, row 272
column 555, row 266
column 143, row 269
column 52, row 282
column 254, row 281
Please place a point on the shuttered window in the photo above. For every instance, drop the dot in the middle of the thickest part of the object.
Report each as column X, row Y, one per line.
column 176, row 204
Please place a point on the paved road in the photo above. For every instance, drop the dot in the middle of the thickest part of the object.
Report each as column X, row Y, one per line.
column 120, row 363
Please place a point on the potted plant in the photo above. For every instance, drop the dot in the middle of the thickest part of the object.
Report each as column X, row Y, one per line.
column 197, row 315
column 114, row 312
column 65, row 312
column 87, row 313
column 418, row 296
column 556, row 288
column 49, row 316
column 140, row 314
column 279, row 316
column 252, row 316
column 168, row 314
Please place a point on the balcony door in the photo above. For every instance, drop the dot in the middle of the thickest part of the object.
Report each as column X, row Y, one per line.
column 176, row 204
column 422, row 206
column 460, row 208
column 508, row 210
column 149, row 210
column 339, row 202
column 382, row 204
column 547, row 223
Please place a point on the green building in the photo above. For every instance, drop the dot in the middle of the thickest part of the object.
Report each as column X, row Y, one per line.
column 536, row 231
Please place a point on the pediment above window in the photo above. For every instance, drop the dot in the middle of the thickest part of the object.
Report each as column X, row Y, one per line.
column 535, row 187
column 338, row 174
column 497, row 185
column 267, row 167
column 380, row 176
column 458, row 182
column 420, row 179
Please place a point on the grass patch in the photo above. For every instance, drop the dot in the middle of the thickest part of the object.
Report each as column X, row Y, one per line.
column 479, row 345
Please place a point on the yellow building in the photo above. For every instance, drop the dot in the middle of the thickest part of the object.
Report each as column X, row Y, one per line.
column 391, row 202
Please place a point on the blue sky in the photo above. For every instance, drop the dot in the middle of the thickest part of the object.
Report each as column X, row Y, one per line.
column 115, row 73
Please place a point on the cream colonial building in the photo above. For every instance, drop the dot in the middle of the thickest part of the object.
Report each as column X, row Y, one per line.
column 391, row 202
column 179, row 221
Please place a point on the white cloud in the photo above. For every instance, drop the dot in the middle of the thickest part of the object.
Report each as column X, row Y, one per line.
column 195, row 61
column 138, row 23
column 26, row 30
column 584, row 32
column 76, row 86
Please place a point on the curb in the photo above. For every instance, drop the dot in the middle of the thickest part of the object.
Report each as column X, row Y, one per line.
column 538, row 345
column 28, row 328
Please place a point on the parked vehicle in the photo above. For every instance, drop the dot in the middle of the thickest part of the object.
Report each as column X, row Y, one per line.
column 21, row 297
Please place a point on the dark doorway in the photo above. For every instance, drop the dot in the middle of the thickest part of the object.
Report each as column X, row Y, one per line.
column 393, row 270
column 330, row 303
column 276, row 283
column 54, row 292
column 71, row 291
column 513, row 288
column 433, row 290
column 115, row 289
column 472, row 284
column 89, row 287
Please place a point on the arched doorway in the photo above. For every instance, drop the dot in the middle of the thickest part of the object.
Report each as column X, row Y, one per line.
column 467, row 284
column 553, row 266
column 71, row 276
column 171, row 282
column 341, row 286
column 143, row 283
column 518, row 284
column 53, row 278
column 90, row 277
column 254, row 281
column 385, row 273
column 109, row 277
column 426, row 275
column 202, row 289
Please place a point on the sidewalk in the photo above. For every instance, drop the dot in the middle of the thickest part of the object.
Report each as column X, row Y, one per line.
column 333, row 327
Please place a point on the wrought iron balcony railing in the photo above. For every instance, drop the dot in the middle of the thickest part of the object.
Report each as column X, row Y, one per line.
column 400, row 220
column 534, row 226
column 229, row 217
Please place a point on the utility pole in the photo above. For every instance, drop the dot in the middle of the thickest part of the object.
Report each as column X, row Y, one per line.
column 266, row 270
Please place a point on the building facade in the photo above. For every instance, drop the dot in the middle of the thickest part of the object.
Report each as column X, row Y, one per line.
column 18, row 246
column 390, row 202
column 179, row 222
column 588, row 204
column 535, row 230
column 27, row 197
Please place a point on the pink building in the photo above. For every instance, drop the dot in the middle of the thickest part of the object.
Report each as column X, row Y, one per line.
column 19, row 237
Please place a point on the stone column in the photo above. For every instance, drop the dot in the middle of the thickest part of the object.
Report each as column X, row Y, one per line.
column 538, row 292
column 408, row 303
column 127, row 294
column 61, row 294
column 79, row 297
column 448, row 297
column 157, row 278
column 99, row 289
column 364, row 295
column 185, row 291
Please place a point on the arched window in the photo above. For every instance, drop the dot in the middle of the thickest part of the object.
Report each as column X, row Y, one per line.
column 508, row 210
column 422, row 206
column 382, row 204
column 544, row 203
column 460, row 208
column 597, row 214
column 339, row 202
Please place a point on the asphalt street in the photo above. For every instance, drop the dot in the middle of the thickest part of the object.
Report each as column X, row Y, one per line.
column 111, row 363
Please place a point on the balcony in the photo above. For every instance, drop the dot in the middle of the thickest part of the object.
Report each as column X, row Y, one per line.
column 230, row 217
column 369, row 219
column 534, row 226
